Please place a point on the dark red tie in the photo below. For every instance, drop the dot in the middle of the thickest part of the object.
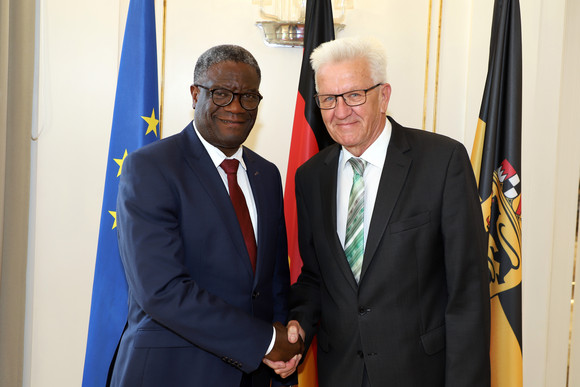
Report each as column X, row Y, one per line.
column 230, row 166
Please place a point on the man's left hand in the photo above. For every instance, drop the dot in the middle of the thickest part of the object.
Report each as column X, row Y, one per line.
column 284, row 369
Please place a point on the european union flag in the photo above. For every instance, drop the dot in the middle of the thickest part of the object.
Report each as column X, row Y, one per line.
column 134, row 125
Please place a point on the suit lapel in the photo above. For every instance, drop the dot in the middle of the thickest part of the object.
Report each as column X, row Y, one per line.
column 201, row 164
column 395, row 170
column 328, row 187
column 260, row 199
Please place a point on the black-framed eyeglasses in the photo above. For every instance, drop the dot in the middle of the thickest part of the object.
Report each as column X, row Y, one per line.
column 351, row 98
column 223, row 97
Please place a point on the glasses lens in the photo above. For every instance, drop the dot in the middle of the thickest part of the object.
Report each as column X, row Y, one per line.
column 325, row 101
column 249, row 101
column 222, row 97
column 355, row 97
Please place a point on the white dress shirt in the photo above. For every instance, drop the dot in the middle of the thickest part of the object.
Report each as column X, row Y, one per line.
column 217, row 156
column 375, row 157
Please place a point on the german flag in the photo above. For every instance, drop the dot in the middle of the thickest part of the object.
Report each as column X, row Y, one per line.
column 496, row 160
column 309, row 135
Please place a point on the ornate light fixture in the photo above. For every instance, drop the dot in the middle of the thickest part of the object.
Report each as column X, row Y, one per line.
column 284, row 24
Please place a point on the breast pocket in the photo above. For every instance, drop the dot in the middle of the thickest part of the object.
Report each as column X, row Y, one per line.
column 411, row 223
column 434, row 341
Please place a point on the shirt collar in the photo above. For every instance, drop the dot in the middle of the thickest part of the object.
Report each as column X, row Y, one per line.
column 376, row 153
column 216, row 155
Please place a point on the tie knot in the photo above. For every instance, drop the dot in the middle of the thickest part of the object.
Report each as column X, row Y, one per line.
column 358, row 165
column 230, row 166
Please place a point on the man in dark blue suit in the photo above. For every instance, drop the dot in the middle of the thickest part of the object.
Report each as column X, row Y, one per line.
column 207, row 285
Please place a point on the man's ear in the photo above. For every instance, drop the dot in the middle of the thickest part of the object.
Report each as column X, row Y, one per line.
column 194, row 90
column 386, row 96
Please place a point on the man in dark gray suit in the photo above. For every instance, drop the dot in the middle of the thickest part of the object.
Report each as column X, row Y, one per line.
column 394, row 282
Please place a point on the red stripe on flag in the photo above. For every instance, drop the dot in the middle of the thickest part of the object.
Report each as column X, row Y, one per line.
column 303, row 146
column 309, row 135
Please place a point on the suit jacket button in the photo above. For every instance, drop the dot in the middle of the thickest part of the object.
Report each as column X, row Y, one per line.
column 360, row 354
column 362, row 311
column 255, row 295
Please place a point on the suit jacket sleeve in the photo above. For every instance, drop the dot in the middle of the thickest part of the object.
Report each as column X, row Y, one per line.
column 305, row 295
column 281, row 280
column 467, row 313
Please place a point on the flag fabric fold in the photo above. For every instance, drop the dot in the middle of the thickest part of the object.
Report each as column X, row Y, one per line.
column 309, row 135
column 135, row 123
column 496, row 160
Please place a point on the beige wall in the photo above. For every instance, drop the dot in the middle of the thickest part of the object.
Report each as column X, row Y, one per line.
column 78, row 58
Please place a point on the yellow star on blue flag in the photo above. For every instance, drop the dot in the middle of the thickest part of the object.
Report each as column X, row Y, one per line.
column 152, row 121
column 120, row 162
column 114, row 215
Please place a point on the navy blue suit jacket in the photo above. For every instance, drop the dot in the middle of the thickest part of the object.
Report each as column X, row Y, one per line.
column 198, row 316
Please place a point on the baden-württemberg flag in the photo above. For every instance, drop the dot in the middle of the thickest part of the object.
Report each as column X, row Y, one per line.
column 135, row 120
column 496, row 160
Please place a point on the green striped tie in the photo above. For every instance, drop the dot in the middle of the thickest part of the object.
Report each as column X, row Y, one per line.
column 354, row 246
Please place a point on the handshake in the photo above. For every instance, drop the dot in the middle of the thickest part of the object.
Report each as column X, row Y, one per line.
column 287, row 351
column 283, row 349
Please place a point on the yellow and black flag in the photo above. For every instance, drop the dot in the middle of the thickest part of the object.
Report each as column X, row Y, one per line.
column 496, row 160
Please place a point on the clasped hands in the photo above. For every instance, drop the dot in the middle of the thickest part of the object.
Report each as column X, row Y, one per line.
column 288, row 347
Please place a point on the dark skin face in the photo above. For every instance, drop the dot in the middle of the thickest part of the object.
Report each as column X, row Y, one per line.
column 225, row 127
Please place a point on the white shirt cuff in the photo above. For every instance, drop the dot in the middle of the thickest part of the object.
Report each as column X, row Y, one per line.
column 272, row 342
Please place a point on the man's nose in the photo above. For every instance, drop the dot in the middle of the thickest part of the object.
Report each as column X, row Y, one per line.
column 342, row 109
column 235, row 106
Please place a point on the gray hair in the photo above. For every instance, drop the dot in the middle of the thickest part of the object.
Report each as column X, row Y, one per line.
column 345, row 49
column 224, row 53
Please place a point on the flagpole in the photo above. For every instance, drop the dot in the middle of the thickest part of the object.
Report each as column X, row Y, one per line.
column 162, row 91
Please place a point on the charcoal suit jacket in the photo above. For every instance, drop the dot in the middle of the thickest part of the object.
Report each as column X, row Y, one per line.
column 420, row 314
